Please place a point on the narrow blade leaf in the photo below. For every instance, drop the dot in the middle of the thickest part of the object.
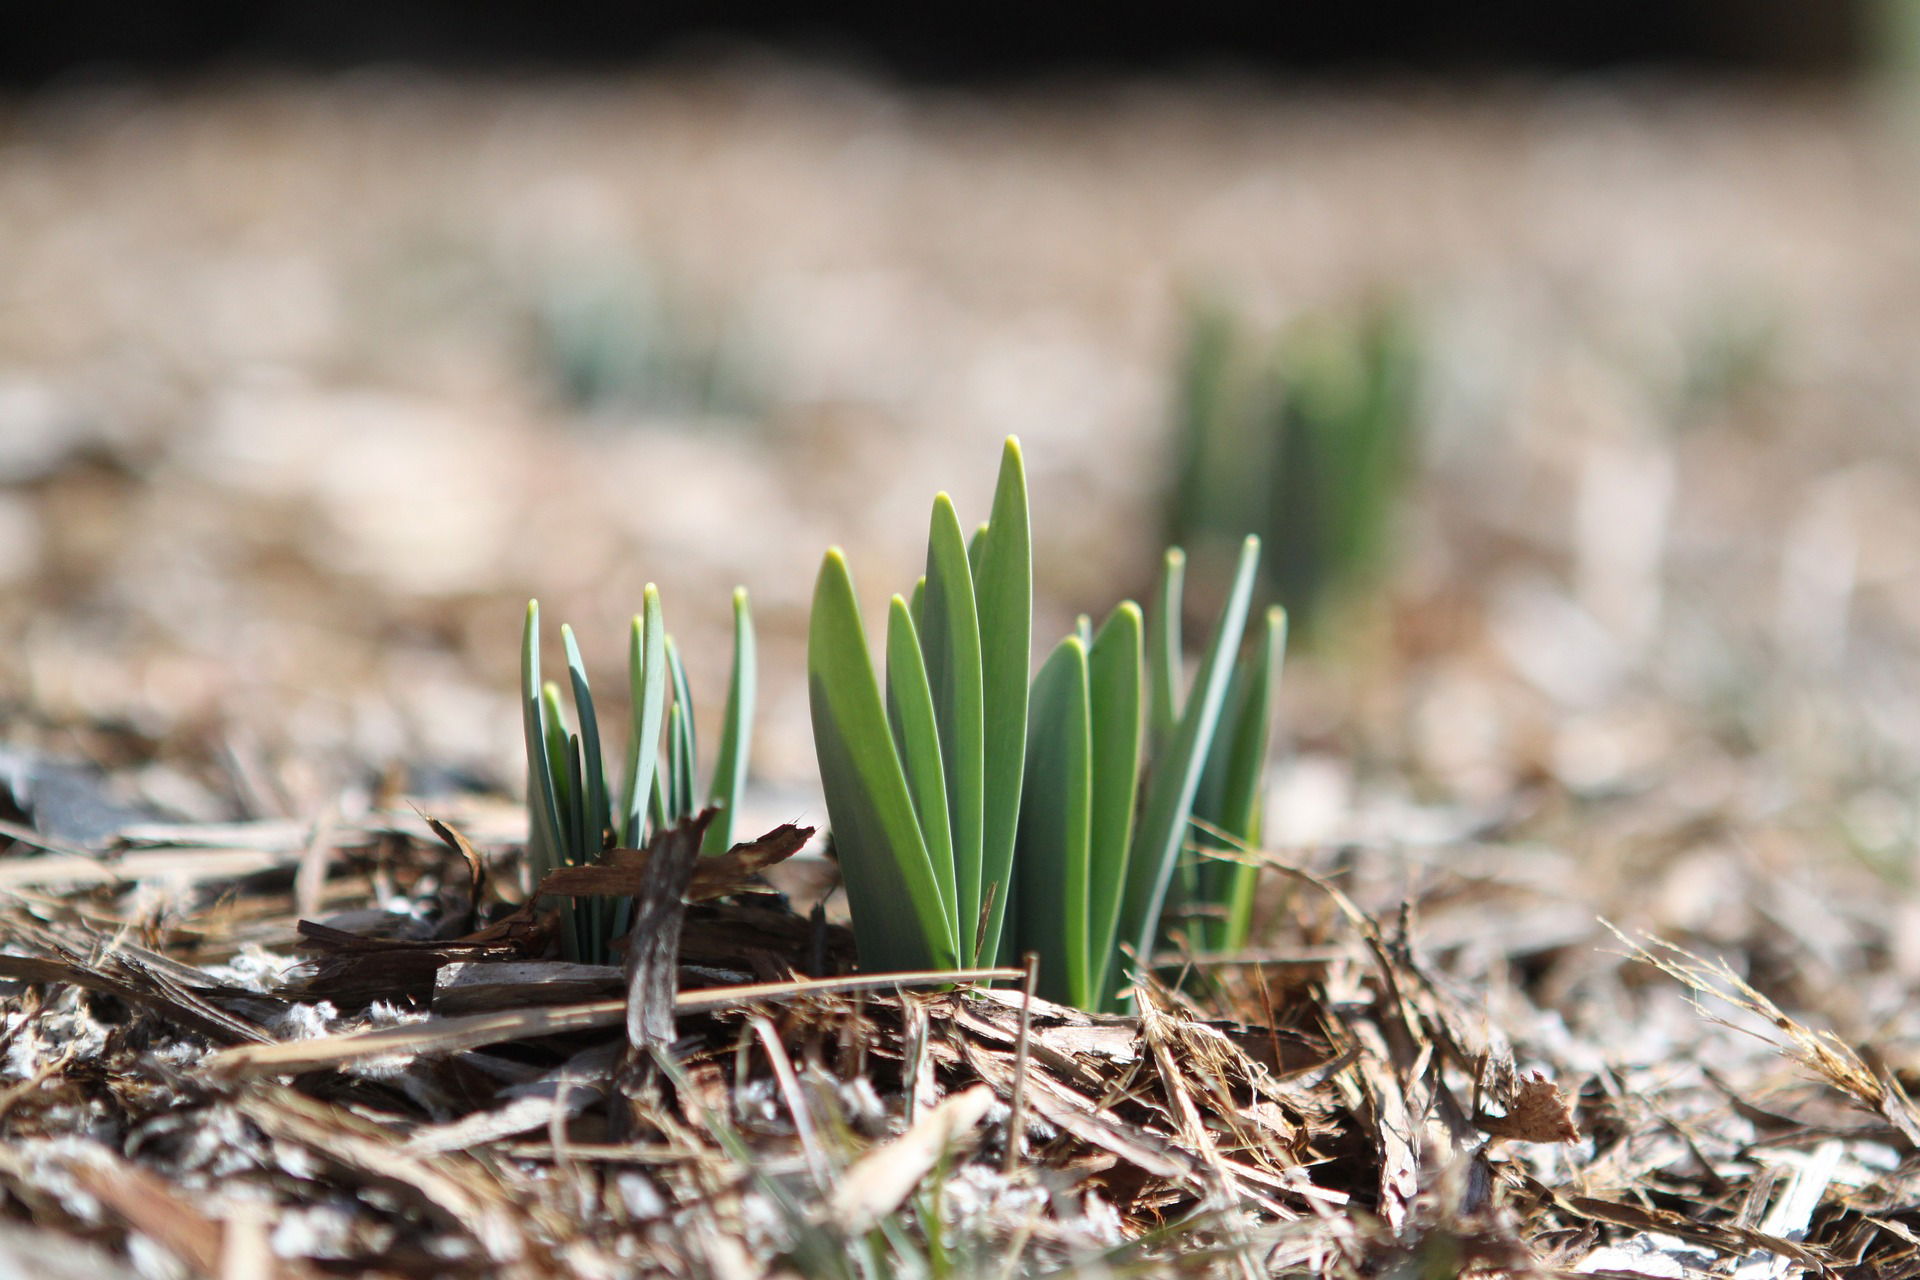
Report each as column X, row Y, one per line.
column 1114, row 697
column 559, row 752
column 917, row 737
column 647, row 676
column 543, row 827
column 680, row 738
column 1230, row 791
column 593, row 766
column 950, row 644
column 900, row 918
column 1176, row 771
column 1002, row 562
column 1053, row 894
column 736, row 735
column 1164, row 658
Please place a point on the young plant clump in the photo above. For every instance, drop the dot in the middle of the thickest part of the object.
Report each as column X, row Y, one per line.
column 979, row 815
column 575, row 811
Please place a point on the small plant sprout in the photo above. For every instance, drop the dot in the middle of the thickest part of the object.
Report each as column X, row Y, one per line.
column 575, row 813
column 979, row 815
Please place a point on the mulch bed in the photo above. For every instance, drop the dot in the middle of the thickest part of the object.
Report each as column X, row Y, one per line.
column 271, row 1049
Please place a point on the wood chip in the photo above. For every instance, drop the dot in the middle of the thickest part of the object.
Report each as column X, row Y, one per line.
column 880, row 1181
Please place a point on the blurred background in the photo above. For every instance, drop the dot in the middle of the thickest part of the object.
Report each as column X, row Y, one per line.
column 1564, row 354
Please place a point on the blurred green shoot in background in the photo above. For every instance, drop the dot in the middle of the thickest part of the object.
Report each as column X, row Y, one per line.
column 619, row 338
column 1306, row 439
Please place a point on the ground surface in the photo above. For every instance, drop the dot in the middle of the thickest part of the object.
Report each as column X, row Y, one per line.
column 300, row 398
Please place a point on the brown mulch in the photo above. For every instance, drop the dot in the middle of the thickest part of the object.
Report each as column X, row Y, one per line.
column 427, row 1092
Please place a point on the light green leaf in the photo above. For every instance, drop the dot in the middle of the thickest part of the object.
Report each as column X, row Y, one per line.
column 900, row 919
column 917, row 737
column 1229, row 795
column 736, row 736
column 950, row 644
column 543, row 809
column 559, row 752
column 1053, row 894
column 1176, row 770
column 647, row 678
column 595, row 806
column 683, row 750
column 1002, row 564
column 1113, row 682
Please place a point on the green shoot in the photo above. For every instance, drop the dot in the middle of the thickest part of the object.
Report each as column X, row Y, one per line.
column 978, row 813
column 574, row 811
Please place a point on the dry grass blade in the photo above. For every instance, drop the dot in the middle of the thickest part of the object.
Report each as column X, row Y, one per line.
column 143, row 986
column 1821, row 1052
column 454, row 840
column 1086, row 1120
column 451, row 1035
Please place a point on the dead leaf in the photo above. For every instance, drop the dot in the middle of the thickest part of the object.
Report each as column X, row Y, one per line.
column 625, row 872
column 1538, row 1112
column 476, row 866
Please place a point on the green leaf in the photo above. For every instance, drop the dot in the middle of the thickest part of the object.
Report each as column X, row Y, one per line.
column 559, row 752
column 562, row 754
column 1231, row 787
column 1176, row 770
column 950, row 645
column 647, row 678
column 736, row 735
column 1002, row 562
column 574, row 922
column 1113, row 681
column 668, row 789
column 900, row 919
column 543, row 826
column 917, row 737
column 1053, row 894
column 1164, row 658
column 682, row 748
column 596, row 810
